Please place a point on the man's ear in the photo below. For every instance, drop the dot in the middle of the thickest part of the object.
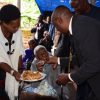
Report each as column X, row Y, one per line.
column 59, row 20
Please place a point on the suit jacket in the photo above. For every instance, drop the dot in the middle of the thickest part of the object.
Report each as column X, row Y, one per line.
column 86, row 39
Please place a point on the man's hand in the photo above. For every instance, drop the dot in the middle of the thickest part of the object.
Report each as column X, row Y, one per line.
column 62, row 79
column 52, row 60
column 54, row 66
column 39, row 65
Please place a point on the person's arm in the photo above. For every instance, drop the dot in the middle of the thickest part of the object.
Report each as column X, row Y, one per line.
column 20, row 65
column 88, row 52
column 58, row 60
column 5, row 67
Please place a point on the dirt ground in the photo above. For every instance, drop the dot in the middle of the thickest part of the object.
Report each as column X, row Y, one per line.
column 26, row 36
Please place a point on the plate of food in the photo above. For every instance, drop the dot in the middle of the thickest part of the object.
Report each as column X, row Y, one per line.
column 32, row 76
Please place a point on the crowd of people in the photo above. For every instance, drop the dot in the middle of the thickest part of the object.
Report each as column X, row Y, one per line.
column 65, row 46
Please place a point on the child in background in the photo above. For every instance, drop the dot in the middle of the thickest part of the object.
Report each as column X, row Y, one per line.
column 28, row 54
column 46, row 41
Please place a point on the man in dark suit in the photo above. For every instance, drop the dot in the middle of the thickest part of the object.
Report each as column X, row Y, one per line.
column 82, row 7
column 85, row 32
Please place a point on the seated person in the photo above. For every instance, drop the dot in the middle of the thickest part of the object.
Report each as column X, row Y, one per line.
column 40, row 64
column 46, row 41
column 42, row 55
column 40, row 27
column 28, row 54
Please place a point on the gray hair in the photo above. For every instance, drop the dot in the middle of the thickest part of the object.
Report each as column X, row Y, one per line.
column 37, row 48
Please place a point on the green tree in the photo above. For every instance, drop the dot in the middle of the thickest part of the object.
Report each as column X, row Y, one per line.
column 29, row 12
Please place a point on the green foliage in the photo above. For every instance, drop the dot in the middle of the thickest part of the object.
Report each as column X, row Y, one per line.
column 29, row 12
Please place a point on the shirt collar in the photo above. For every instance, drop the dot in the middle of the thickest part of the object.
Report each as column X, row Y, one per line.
column 70, row 25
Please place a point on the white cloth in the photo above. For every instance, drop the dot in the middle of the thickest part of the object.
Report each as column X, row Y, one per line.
column 70, row 25
column 70, row 30
column 36, row 35
column 11, row 85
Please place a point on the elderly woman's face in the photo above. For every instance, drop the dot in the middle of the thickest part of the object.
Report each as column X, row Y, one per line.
column 42, row 54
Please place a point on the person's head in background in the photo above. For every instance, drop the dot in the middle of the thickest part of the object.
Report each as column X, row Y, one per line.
column 9, row 19
column 41, row 53
column 46, row 34
column 80, row 6
column 32, row 44
column 46, row 19
column 61, row 18
column 40, row 19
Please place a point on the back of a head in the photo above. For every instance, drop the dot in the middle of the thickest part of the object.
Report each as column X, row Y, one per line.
column 9, row 12
column 40, row 19
column 32, row 41
column 61, row 11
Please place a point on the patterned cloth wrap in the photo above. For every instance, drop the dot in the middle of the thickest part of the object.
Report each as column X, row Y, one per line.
column 45, row 89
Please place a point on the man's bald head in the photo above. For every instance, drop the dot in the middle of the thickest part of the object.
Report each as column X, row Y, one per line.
column 61, row 17
column 61, row 12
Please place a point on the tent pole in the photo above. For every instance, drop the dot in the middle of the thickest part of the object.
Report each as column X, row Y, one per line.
column 19, row 4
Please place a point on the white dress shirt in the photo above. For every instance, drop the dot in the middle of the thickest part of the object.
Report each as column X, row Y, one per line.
column 70, row 30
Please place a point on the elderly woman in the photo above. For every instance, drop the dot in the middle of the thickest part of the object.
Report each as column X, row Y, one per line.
column 40, row 64
column 42, row 55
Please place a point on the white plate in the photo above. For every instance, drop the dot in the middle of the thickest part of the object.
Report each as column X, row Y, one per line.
column 42, row 74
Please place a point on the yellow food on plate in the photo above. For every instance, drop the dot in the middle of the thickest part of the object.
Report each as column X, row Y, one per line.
column 30, row 75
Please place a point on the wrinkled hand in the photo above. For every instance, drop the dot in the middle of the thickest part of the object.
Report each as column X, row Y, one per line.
column 62, row 79
column 54, row 66
column 17, row 75
column 39, row 66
